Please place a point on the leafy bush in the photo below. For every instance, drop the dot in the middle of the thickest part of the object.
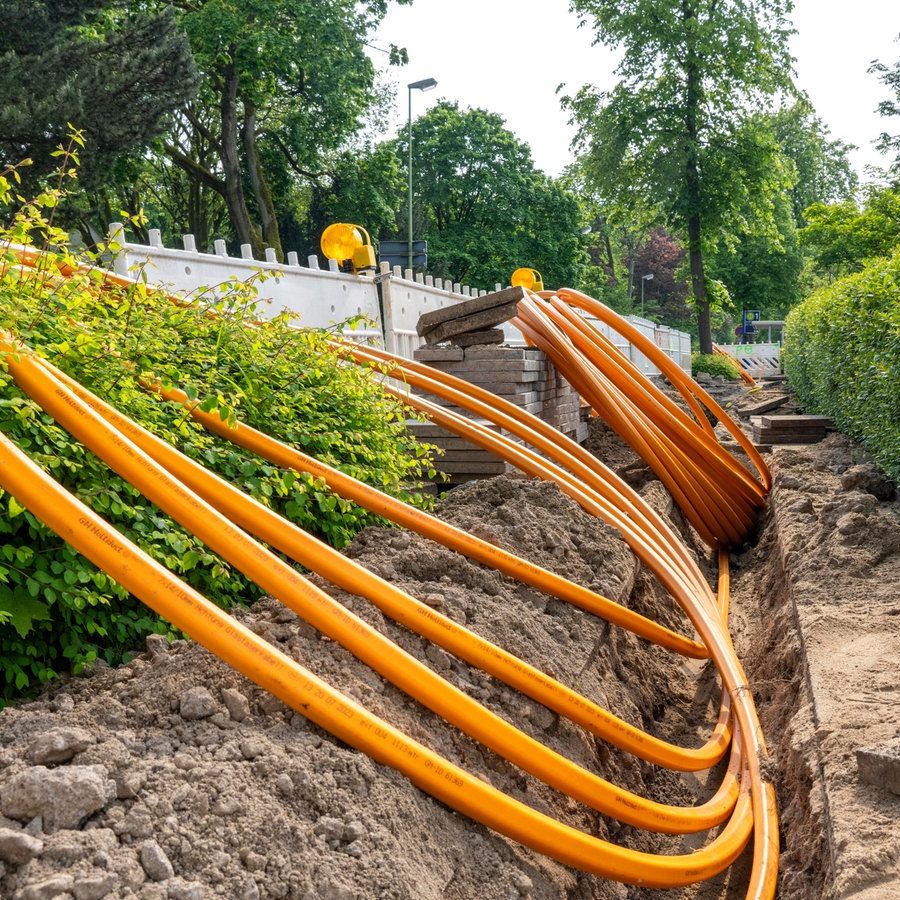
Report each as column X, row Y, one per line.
column 713, row 365
column 57, row 611
column 842, row 356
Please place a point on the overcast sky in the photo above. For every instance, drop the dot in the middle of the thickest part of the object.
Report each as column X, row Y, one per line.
column 508, row 57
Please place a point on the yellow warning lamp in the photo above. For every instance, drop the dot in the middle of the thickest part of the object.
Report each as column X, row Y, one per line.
column 527, row 278
column 350, row 245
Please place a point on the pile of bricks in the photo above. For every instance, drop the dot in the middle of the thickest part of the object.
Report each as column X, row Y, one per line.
column 790, row 429
column 523, row 376
column 463, row 341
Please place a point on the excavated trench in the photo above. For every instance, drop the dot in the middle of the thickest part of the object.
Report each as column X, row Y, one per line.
column 206, row 786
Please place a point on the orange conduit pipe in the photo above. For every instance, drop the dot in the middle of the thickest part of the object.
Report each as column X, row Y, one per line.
column 667, row 417
column 531, row 463
column 727, row 496
column 433, row 528
column 280, row 454
column 671, row 419
column 31, row 256
column 707, row 622
column 710, row 504
column 343, row 717
column 639, row 524
column 627, row 420
column 323, row 559
column 706, row 619
column 683, row 383
column 338, row 623
column 764, row 870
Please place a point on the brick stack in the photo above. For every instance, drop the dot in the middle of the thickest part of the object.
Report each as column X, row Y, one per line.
column 790, row 429
column 523, row 376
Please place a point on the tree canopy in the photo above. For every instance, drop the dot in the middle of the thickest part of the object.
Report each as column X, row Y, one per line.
column 842, row 238
column 890, row 108
column 679, row 127
column 822, row 170
column 113, row 70
column 481, row 204
column 284, row 84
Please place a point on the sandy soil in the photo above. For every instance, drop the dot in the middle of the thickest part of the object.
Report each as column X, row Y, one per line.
column 174, row 777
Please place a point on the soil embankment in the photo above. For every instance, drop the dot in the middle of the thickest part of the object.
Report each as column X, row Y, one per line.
column 174, row 777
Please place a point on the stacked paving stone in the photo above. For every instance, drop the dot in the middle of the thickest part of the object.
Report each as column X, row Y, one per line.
column 790, row 429
column 463, row 341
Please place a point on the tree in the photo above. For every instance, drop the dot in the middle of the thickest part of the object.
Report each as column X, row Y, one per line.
column 890, row 143
column 481, row 204
column 763, row 270
column 677, row 128
column 842, row 238
column 666, row 294
column 288, row 83
column 822, row 169
column 363, row 187
column 112, row 69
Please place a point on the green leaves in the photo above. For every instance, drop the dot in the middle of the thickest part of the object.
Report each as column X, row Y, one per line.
column 483, row 207
column 842, row 356
column 681, row 132
column 842, row 237
column 57, row 611
column 21, row 607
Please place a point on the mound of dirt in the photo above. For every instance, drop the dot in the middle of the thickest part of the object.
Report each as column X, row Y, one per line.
column 175, row 777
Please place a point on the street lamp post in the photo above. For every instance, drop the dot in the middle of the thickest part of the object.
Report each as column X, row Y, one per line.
column 644, row 279
column 426, row 84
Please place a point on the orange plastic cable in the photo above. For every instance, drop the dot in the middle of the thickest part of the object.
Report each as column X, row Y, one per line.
column 688, row 588
column 339, row 714
column 323, row 559
column 746, row 377
column 328, row 616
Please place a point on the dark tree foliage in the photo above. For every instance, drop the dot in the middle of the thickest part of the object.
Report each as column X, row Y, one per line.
column 483, row 207
column 763, row 270
column 665, row 295
column 285, row 85
column 111, row 70
column 363, row 187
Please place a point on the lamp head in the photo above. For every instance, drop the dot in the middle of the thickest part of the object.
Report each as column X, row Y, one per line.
column 426, row 84
column 350, row 245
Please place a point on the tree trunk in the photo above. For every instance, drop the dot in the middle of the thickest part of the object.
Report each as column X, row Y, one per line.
column 231, row 165
column 610, row 261
column 261, row 192
column 698, row 283
column 694, row 190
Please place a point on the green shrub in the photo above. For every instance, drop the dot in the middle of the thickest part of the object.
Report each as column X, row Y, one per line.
column 57, row 611
column 713, row 364
column 842, row 357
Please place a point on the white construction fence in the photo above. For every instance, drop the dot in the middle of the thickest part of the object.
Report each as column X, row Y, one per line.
column 385, row 307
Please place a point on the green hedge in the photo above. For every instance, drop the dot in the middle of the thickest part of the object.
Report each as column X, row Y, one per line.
column 714, row 364
column 57, row 612
column 842, row 357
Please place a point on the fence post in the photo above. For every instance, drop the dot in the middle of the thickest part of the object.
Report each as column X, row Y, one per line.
column 120, row 256
column 387, row 308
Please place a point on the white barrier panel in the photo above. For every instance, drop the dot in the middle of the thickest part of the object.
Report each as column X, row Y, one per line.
column 392, row 301
column 319, row 298
column 757, row 359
